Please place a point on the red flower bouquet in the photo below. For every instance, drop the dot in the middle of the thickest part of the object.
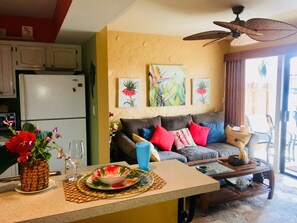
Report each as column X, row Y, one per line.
column 28, row 144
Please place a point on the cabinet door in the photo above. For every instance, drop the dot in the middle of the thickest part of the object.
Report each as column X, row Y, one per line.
column 6, row 75
column 30, row 56
column 67, row 57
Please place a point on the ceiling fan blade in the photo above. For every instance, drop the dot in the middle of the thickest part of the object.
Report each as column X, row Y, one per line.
column 270, row 29
column 216, row 34
column 217, row 40
column 232, row 26
column 242, row 41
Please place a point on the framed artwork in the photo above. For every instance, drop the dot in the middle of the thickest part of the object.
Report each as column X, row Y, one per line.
column 200, row 91
column 167, row 85
column 129, row 92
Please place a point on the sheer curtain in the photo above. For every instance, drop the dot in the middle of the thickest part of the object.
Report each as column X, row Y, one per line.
column 235, row 89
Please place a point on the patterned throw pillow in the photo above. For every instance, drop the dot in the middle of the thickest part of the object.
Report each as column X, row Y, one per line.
column 199, row 133
column 183, row 138
column 238, row 139
column 162, row 138
column 154, row 153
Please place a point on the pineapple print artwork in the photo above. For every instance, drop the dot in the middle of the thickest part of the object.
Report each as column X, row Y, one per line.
column 129, row 95
column 201, row 91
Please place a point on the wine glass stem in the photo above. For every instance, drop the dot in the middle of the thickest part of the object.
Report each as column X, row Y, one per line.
column 75, row 171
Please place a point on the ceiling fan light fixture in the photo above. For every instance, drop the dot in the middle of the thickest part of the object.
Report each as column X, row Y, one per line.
column 243, row 40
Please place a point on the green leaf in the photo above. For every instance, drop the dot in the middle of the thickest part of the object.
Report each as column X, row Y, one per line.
column 47, row 156
column 28, row 127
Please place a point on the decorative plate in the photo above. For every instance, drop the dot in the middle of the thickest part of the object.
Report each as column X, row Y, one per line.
column 111, row 174
column 96, row 183
column 51, row 183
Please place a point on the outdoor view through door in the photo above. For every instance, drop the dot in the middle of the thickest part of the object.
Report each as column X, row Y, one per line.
column 261, row 97
column 260, row 102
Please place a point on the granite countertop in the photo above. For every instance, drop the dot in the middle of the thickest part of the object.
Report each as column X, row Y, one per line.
column 51, row 206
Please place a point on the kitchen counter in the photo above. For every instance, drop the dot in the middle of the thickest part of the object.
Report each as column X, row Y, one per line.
column 51, row 206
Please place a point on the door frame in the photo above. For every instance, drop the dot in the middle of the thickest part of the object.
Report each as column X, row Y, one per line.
column 284, row 113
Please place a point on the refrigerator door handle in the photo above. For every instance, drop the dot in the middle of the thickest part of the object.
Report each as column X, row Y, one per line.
column 22, row 96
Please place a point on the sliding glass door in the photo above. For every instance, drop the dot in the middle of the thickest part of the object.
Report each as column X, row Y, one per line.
column 260, row 102
column 288, row 162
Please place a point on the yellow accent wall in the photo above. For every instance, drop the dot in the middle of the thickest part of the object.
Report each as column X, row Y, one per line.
column 123, row 54
column 103, row 98
column 129, row 55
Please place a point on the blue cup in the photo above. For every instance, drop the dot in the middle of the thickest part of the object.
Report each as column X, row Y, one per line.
column 143, row 155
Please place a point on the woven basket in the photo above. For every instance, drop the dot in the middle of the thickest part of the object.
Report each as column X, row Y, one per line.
column 34, row 176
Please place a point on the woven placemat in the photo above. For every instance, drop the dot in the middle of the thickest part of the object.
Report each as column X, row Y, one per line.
column 78, row 192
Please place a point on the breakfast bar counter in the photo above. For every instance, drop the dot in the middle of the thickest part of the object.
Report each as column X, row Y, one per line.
column 51, row 206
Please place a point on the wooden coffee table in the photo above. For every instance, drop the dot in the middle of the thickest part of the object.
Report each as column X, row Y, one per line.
column 262, row 173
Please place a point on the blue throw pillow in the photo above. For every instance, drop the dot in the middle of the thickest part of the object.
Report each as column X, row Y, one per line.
column 216, row 132
column 147, row 133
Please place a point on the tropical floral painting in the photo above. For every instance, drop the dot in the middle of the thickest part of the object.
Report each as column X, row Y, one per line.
column 167, row 85
column 129, row 92
column 201, row 91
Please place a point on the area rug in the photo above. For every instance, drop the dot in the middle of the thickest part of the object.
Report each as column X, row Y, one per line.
column 282, row 208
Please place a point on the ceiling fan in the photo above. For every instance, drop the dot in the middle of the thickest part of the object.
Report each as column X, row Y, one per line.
column 246, row 32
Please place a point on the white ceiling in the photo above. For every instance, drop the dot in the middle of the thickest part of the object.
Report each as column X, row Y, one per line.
column 186, row 17
column 168, row 17
column 86, row 17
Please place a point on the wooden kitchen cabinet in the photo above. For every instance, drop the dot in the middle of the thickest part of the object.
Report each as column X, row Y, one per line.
column 30, row 56
column 7, row 88
column 64, row 57
column 46, row 56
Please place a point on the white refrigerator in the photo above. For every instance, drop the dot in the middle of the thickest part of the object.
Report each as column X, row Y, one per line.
column 49, row 101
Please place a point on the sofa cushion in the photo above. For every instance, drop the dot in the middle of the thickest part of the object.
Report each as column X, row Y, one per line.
column 154, row 153
column 209, row 117
column 136, row 125
column 199, row 133
column 235, row 138
column 176, row 122
column 224, row 149
column 147, row 133
column 216, row 132
column 183, row 138
column 162, row 138
column 194, row 153
column 169, row 155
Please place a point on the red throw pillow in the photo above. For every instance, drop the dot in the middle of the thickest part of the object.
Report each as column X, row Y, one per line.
column 162, row 138
column 199, row 133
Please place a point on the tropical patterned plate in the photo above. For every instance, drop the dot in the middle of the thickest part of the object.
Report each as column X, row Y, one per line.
column 132, row 178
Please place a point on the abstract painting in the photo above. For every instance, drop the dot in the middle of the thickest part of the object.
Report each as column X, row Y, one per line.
column 129, row 92
column 200, row 91
column 167, row 85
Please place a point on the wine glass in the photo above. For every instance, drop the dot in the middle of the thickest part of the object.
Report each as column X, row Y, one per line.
column 76, row 153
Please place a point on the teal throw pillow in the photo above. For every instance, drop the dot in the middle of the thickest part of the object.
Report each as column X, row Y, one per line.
column 216, row 132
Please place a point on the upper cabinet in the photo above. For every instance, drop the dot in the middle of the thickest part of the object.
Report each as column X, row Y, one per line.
column 46, row 56
column 6, row 75
column 64, row 57
column 30, row 56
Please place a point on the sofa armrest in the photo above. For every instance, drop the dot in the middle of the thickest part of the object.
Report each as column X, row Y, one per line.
column 251, row 144
column 125, row 144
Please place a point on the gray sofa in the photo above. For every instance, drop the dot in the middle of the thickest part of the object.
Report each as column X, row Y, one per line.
column 124, row 147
